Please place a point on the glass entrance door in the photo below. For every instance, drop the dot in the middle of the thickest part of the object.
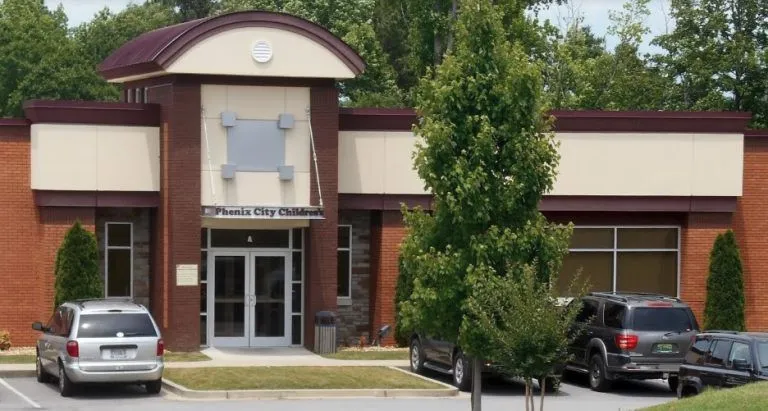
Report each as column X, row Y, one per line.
column 251, row 304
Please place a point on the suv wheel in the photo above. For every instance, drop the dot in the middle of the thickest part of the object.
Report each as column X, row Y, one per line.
column 597, row 378
column 66, row 387
column 417, row 356
column 154, row 387
column 673, row 383
column 40, row 373
column 462, row 374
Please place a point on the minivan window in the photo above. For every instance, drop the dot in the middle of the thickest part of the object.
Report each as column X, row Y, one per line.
column 661, row 319
column 109, row 325
column 613, row 315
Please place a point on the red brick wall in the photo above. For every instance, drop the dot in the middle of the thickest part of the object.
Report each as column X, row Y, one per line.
column 176, row 224
column 387, row 232
column 322, row 236
column 697, row 237
column 750, row 224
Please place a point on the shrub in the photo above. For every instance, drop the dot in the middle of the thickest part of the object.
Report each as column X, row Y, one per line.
column 5, row 340
column 403, row 290
column 724, row 308
column 77, row 267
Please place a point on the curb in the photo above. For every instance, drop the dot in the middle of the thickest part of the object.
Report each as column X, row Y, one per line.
column 185, row 392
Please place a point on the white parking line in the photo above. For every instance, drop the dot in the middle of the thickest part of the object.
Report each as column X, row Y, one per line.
column 17, row 392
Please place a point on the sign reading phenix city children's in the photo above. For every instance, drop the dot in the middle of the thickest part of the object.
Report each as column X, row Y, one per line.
column 264, row 212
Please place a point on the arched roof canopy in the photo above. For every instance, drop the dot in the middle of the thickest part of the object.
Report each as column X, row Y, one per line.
column 236, row 44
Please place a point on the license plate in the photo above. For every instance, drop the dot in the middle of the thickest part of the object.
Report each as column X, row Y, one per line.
column 117, row 354
column 664, row 348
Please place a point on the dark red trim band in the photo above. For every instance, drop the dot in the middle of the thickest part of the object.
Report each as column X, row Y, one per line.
column 157, row 49
column 51, row 198
column 384, row 119
column 14, row 127
column 560, row 203
column 756, row 133
column 92, row 112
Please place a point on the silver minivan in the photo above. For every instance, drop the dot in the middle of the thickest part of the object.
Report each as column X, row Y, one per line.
column 100, row 341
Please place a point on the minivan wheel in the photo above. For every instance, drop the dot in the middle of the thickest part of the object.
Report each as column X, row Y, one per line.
column 416, row 356
column 154, row 387
column 66, row 387
column 597, row 378
column 40, row 373
column 462, row 374
column 673, row 383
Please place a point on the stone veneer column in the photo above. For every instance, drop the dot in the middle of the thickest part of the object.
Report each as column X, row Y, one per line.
column 387, row 232
column 176, row 224
column 697, row 238
column 322, row 240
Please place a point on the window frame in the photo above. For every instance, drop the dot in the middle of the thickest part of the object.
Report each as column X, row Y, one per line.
column 714, row 345
column 615, row 250
column 345, row 299
column 108, row 247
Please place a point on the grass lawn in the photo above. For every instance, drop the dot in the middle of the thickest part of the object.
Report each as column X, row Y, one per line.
column 185, row 356
column 17, row 359
column 750, row 397
column 368, row 355
column 277, row 378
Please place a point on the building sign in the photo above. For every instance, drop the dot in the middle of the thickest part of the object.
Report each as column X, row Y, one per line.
column 186, row 274
column 264, row 213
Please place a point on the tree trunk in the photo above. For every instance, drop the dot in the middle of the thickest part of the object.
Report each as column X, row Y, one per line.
column 527, row 393
column 477, row 379
column 542, row 388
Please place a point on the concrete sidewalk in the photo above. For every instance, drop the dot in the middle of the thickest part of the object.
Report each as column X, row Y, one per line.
column 243, row 357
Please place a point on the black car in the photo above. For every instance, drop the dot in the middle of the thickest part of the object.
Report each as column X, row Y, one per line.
column 438, row 355
column 631, row 336
column 723, row 359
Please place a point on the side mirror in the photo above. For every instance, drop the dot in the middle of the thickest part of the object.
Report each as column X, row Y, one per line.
column 38, row 326
column 740, row 364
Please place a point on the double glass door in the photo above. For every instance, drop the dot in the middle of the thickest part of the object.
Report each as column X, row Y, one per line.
column 251, row 300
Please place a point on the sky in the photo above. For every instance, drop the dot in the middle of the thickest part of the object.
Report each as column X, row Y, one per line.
column 595, row 13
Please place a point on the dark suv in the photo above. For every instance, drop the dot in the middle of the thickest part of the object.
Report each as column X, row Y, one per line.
column 723, row 359
column 631, row 336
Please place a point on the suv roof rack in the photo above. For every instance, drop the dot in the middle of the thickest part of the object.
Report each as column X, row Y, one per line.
column 81, row 302
column 722, row 332
column 625, row 297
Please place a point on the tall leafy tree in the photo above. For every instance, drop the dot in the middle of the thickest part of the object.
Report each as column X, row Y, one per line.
column 717, row 54
column 488, row 156
column 724, row 307
column 185, row 10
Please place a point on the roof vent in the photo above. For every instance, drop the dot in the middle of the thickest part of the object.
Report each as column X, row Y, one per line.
column 261, row 51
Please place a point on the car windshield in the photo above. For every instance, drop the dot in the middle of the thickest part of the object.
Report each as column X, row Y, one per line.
column 115, row 325
column 661, row 319
column 762, row 352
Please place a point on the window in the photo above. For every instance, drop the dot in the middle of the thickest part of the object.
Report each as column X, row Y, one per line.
column 718, row 352
column 740, row 351
column 661, row 319
column 588, row 311
column 613, row 315
column 109, row 325
column 118, row 260
column 623, row 259
column 698, row 351
column 344, row 255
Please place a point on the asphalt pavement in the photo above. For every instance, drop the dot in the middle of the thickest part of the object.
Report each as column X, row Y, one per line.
column 28, row 394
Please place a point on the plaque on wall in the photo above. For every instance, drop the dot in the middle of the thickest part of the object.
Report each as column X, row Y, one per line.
column 186, row 274
column 264, row 212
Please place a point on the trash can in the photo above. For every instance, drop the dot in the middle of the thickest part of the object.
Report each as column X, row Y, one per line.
column 325, row 332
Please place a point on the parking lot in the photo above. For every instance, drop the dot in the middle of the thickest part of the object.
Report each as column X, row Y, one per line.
column 28, row 394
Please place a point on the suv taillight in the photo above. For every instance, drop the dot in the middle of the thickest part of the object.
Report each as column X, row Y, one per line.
column 626, row 341
column 73, row 350
column 160, row 347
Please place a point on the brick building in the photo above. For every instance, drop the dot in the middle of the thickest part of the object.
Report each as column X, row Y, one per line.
column 231, row 194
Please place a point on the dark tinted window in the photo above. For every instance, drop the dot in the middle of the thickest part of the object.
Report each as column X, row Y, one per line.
column 740, row 351
column 762, row 353
column 661, row 319
column 109, row 325
column 588, row 311
column 698, row 351
column 719, row 352
column 613, row 315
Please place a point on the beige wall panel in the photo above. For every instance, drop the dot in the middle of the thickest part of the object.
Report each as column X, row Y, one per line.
column 216, row 145
column 214, row 99
column 297, row 102
column 229, row 53
column 362, row 161
column 718, row 164
column 256, row 102
column 95, row 157
column 255, row 188
column 298, row 149
column 401, row 176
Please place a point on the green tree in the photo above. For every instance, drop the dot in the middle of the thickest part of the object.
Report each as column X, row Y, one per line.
column 716, row 56
column 488, row 156
column 724, row 307
column 77, row 266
